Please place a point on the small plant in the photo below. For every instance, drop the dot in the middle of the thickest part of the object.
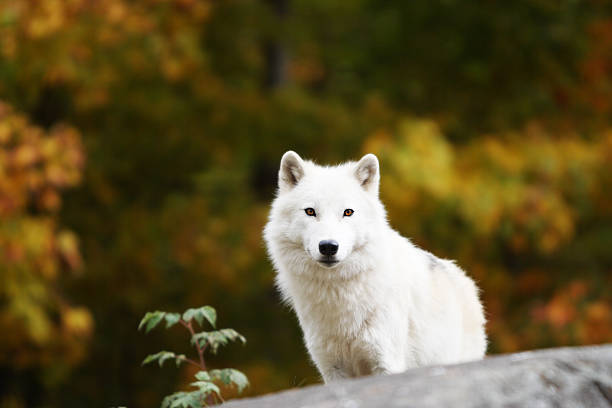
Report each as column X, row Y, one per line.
column 207, row 392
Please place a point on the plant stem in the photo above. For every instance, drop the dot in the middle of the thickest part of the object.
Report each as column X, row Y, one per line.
column 210, row 398
column 189, row 327
column 190, row 361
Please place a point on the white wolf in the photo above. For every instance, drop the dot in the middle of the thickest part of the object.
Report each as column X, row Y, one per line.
column 367, row 299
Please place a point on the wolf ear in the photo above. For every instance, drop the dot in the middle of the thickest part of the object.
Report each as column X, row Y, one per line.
column 367, row 173
column 291, row 171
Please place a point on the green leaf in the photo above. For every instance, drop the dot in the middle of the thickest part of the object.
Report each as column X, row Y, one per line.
column 201, row 313
column 203, row 376
column 161, row 357
column 206, row 387
column 189, row 314
column 151, row 357
column 231, row 376
column 144, row 320
column 179, row 359
column 166, row 356
column 183, row 399
column 167, row 401
column 214, row 339
column 172, row 319
column 150, row 320
column 209, row 314
column 190, row 400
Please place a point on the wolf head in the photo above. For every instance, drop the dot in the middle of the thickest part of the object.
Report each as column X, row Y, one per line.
column 324, row 216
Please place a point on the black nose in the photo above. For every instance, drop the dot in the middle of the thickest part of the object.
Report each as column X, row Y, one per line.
column 328, row 247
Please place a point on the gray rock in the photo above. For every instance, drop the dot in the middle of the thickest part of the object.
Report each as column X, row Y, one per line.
column 564, row 377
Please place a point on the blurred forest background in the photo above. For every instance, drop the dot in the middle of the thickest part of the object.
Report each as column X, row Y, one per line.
column 140, row 141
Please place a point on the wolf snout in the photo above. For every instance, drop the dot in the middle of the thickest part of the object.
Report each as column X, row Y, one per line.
column 328, row 247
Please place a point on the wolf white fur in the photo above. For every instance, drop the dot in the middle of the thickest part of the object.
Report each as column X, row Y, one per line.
column 367, row 299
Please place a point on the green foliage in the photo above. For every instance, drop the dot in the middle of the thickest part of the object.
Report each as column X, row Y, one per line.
column 192, row 399
column 227, row 376
column 163, row 356
column 151, row 320
column 205, row 312
column 207, row 391
column 172, row 319
column 216, row 338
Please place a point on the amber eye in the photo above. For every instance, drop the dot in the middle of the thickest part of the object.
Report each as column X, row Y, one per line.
column 310, row 211
column 348, row 212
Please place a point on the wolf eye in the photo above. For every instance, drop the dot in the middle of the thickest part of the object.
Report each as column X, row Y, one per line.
column 348, row 212
column 310, row 212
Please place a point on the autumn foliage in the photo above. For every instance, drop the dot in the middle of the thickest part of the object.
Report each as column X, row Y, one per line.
column 139, row 145
column 35, row 166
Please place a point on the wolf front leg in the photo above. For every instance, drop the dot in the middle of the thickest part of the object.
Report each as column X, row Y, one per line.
column 328, row 359
column 333, row 373
column 372, row 366
column 357, row 368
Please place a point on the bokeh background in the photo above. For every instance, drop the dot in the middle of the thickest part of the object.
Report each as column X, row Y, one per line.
column 139, row 146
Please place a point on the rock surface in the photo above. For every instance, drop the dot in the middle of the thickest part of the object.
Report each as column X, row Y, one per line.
column 564, row 377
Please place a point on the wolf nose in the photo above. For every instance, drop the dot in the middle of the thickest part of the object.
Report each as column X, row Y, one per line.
column 328, row 247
